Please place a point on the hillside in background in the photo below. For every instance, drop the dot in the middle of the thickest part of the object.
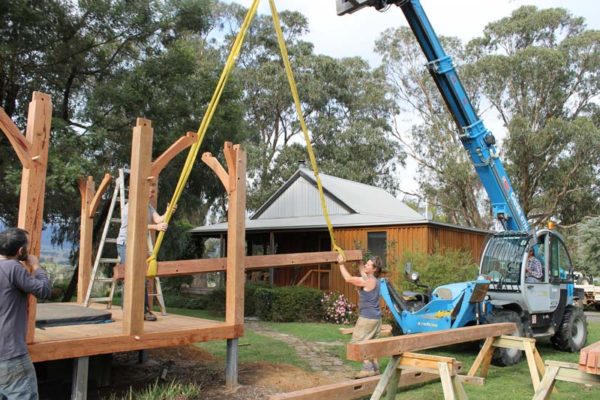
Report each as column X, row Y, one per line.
column 50, row 252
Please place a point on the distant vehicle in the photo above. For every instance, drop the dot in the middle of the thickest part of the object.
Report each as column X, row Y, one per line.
column 591, row 292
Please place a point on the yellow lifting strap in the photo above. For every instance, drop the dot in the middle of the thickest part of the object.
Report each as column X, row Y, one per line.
column 309, row 149
column 195, row 148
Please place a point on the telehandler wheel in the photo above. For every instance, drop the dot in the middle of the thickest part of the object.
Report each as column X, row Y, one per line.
column 396, row 330
column 505, row 357
column 572, row 333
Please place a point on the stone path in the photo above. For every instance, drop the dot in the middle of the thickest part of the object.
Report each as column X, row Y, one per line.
column 318, row 355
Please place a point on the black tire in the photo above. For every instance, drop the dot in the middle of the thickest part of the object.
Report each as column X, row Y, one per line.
column 572, row 332
column 505, row 357
column 597, row 306
column 396, row 330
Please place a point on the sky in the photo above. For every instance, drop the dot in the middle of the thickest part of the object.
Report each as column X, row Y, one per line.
column 355, row 34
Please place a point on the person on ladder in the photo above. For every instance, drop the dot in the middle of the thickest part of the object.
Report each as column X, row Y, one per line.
column 156, row 222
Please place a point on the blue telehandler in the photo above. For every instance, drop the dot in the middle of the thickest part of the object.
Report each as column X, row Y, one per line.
column 545, row 307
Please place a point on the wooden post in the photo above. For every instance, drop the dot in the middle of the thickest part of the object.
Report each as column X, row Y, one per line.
column 90, row 200
column 137, row 229
column 271, row 251
column 86, row 189
column 33, row 180
column 234, row 181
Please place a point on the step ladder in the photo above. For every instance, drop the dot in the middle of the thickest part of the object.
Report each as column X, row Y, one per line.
column 119, row 195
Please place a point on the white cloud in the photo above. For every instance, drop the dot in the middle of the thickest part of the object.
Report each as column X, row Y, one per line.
column 355, row 34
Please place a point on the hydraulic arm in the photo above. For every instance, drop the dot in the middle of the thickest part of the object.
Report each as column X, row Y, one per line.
column 476, row 139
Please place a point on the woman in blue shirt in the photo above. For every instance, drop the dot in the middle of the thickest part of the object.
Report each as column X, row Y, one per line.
column 368, row 324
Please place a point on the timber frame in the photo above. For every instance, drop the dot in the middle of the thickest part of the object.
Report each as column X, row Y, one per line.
column 32, row 151
column 128, row 332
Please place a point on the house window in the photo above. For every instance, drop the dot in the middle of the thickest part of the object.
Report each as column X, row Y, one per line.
column 377, row 244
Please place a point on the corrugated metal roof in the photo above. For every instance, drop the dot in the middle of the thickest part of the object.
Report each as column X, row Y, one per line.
column 296, row 205
column 299, row 199
column 346, row 196
column 315, row 222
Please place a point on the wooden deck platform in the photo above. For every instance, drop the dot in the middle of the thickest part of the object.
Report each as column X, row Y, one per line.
column 72, row 341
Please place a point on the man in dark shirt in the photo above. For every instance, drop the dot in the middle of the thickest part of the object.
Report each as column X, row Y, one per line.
column 20, row 274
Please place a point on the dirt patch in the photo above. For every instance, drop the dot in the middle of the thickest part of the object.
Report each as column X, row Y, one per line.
column 190, row 364
column 280, row 377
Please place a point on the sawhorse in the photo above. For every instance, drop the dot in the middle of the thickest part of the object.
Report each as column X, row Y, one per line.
column 534, row 360
column 445, row 367
column 563, row 371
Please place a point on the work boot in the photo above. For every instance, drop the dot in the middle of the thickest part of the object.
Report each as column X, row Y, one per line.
column 364, row 373
column 148, row 316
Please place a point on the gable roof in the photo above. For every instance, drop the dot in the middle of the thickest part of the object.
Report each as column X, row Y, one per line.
column 296, row 205
column 342, row 196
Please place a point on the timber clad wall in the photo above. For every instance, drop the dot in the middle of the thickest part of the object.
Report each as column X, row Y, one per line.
column 400, row 239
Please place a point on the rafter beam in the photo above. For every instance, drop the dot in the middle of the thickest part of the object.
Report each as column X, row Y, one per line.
column 165, row 158
column 16, row 139
column 93, row 207
column 218, row 169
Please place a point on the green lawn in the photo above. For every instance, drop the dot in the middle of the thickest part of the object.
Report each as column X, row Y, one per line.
column 510, row 383
column 255, row 348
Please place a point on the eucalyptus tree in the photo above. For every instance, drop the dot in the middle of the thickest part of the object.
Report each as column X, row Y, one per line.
column 105, row 63
column 344, row 103
column 540, row 71
column 427, row 131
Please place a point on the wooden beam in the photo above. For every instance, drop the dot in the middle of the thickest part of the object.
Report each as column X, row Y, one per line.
column 203, row 265
column 589, row 359
column 98, row 195
column 217, row 168
column 229, row 153
column 165, row 158
column 137, row 228
column 236, row 238
column 376, row 348
column 72, row 348
column 16, row 139
column 33, row 185
column 356, row 388
column 86, row 190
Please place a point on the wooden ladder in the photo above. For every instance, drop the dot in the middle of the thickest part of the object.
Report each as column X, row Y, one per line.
column 101, row 260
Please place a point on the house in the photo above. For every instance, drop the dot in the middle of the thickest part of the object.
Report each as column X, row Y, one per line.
column 363, row 217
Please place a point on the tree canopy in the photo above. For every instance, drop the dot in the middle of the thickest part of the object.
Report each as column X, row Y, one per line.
column 107, row 62
column 538, row 70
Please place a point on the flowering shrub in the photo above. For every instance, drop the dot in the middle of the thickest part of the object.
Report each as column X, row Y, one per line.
column 338, row 309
